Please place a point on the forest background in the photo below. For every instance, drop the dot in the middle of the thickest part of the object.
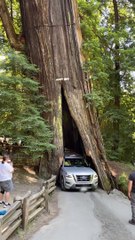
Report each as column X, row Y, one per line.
column 108, row 30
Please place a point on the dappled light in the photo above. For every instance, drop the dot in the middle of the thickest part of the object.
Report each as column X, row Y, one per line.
column 25, row 175
column 29, row 170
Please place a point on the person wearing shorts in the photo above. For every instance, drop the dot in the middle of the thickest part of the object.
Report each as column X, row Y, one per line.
column 6, row 185
column 131, row 195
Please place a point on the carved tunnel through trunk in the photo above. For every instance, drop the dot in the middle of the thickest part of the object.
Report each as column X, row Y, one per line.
column 71, row 137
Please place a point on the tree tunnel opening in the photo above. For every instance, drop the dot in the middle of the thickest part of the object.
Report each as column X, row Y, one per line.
column 71, row 136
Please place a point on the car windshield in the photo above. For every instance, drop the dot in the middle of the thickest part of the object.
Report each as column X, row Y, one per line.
column 78, row 162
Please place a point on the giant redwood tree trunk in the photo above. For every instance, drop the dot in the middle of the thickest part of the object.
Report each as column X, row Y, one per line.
column 53, row 38
column 52, row 35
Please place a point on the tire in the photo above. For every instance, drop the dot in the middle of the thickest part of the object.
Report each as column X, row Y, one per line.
column 62, row 184
column 94, row 189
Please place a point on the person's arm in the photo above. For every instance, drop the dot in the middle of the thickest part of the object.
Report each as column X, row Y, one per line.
column 10, row 167
column 11, row 164
column 130, row 184
column 12, row 170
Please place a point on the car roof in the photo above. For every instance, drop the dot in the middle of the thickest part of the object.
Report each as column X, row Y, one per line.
column 70, row 154
column 73, row 156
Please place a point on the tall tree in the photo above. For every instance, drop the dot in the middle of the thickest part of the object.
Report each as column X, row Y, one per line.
column 117, row 78
column 119, row 31
column 108, row 31
column 52, row 36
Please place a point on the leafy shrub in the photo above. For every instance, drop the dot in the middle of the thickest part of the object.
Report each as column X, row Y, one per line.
column 123, row 182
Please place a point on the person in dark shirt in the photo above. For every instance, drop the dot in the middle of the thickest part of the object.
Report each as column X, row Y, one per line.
column 131, row 195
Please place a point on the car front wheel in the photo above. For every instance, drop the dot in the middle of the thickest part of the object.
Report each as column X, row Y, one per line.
column 94, row 188
column 62, row 184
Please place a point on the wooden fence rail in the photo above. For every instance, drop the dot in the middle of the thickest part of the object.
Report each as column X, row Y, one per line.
column 25, row 209
column 11, row 221
column 50, row 184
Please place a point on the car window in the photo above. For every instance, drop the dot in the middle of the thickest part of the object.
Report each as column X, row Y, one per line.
column 75, row 162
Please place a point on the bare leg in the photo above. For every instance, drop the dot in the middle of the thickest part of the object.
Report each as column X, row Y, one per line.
column 7, row 197
column 1, row 197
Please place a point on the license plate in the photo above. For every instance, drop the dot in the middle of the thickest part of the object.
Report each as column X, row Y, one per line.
column 83, row 189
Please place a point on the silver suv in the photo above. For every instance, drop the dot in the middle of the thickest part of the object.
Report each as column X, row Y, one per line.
column 76, row 174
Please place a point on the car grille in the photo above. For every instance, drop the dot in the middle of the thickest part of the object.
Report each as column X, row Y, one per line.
column 83, row 185
column 83, row 178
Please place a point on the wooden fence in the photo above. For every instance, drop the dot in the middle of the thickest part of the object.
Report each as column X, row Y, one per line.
column 25, row 209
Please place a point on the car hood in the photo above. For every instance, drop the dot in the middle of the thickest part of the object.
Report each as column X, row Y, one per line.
column 79, row 170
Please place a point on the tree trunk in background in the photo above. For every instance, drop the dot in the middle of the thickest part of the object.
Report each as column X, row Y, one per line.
column 116, row 81
column 53, row 39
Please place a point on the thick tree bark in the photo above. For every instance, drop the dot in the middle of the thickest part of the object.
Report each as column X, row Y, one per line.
column 52, row 34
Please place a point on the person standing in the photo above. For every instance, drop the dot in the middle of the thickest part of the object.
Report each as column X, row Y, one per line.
column 6, row 184
column 131, row 195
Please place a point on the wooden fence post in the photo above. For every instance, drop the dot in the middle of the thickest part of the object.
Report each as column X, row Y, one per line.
column 1, row 238
column 46, row 197
column 25, row 210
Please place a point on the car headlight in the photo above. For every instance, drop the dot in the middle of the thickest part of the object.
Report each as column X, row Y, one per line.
column 69, row 176
column 95, row 176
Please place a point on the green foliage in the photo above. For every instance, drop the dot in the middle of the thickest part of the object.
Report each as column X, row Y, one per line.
column 105, row 45
column 14, row 11
column 21, row 106
column 97, row 98
column 123, row 182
